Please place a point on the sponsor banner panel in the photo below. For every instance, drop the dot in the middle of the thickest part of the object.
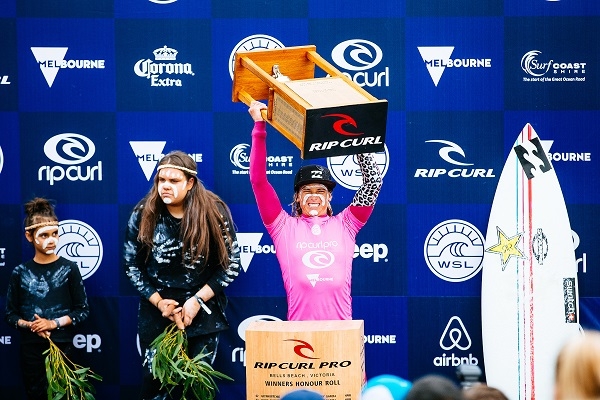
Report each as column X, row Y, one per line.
column 464, row 8
column 551, row 8
column 454, row 63
column 87, row 237
column 241, row 311
column 260, row 274
column 368, row 55
column 12, row 243
column 8, row 65
column 10, row 158
column 163, row 65
column 270, row 9
column 9, row 9
column 584, row 227
column 65, row 9
column 386, row 334
column 350, row 9
column 9, row 350
column 569, row 139
column 68, row 157
column 66, row 64
column 542, row 67
column 380, row 254
column 589, row 313
column 445, row 249
column 453, row 157
column 160, row 9
column 448, row 337
column 391, row 161
column 144, row 138
column 243, row 35
column 130, row 356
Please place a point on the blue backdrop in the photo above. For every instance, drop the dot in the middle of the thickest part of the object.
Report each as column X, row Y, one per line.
column 124, row 81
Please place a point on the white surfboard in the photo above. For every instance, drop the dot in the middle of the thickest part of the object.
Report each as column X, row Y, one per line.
column 529, row 295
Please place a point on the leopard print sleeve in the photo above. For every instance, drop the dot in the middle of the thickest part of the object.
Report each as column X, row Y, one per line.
column 369, row 190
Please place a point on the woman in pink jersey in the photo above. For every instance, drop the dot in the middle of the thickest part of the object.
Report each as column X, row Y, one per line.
column 314, row 248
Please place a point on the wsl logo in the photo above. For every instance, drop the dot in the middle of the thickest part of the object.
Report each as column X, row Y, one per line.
column 52, row 59
column 346, row 171
column 160, row 71
column 453, row 250
column 361, row 57
column 455, row 336
column 69, row 150
column 253, row 43
column 437, row 59
column 81, row 244
column 453, row 154
column 238, row 354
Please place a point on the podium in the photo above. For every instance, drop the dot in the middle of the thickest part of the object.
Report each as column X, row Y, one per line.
column 323, row 117
column 323, row 356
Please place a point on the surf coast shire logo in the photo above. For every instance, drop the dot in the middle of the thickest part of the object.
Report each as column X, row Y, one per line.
column 239, row 156
column 52, row 59
column 539, row 68
column 163, row 71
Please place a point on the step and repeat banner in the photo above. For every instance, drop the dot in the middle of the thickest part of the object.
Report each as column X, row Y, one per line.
column 92, row 94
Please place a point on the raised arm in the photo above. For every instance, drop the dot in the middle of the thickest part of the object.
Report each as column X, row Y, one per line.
column 366, row 196
column 267, row 200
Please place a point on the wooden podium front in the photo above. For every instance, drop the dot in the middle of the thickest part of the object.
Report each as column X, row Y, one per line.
column 324, row 356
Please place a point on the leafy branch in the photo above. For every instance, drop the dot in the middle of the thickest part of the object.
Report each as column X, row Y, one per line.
column 172, row 366
column 67, row 380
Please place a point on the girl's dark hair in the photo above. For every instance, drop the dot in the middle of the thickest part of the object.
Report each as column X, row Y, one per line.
column 203, row 222
column 39, row 210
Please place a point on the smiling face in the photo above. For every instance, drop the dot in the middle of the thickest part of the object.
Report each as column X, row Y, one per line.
column 44, row 239
column 173, row 186
column 313, row 199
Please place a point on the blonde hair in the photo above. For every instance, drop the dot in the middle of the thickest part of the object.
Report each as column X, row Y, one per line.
column 578, row 368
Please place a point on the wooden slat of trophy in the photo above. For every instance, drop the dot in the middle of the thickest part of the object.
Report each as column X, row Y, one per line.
column 323, row 356
column 304, row 108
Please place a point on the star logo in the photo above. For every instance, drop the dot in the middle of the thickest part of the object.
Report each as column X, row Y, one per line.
column 506, row 247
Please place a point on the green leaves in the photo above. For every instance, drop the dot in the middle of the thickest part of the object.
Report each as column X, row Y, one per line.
column 172, row 366
column 67, row 380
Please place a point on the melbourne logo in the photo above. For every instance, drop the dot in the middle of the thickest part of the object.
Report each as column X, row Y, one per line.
column 453, row 154
column 455, row 337
column 253, row 43
column 361, row 57
column 148, row 155
column 453, row 250
column 540, row 68
column 163, row 71
column 250, row 245
column 52, row 59
column 70, row 149
column 438, row 58
column 346, row 171
column 80, row 243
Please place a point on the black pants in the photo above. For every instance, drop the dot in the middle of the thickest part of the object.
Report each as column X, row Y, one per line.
column 33, row 367
column 151, row 387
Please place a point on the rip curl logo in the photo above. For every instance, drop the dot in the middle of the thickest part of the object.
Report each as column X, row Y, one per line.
column 450, row 147
column 343, row 120
column 318, row 259
column 455, row 335
column 300, row 348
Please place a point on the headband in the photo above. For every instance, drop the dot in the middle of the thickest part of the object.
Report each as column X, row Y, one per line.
column 189, row 171
column 35, row 226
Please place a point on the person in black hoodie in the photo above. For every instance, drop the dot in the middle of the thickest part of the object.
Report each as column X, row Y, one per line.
column 46, row 298
column 180, row 253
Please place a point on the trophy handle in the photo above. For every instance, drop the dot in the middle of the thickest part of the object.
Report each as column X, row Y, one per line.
column 245, row 97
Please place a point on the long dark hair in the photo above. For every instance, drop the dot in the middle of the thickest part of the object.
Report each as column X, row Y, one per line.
column 203, row 221
column 38, row 210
